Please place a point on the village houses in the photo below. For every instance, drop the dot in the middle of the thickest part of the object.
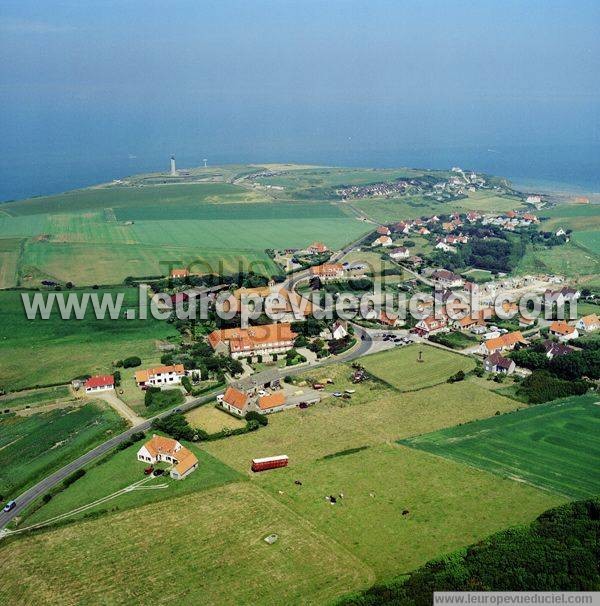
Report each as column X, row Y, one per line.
column 264, row 340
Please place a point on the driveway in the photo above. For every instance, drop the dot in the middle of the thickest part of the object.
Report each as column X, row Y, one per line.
column 110, row 397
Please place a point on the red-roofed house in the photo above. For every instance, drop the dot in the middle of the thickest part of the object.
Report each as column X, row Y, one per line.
column 160, row 376
column 168, row 450
column 99, row 383
column 430, row 326
column 273, row 402
column 383, row 231
column 563, row 331
column 235, row 401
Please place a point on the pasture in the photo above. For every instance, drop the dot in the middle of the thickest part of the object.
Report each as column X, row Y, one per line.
column 33, row 447
column 212, row 420
column 553, row 446
column 35, row 398
column 449, row 505
column 121, row 469
column 42, row 352
column 589, row 240
column 399, row 367
column 204, row 547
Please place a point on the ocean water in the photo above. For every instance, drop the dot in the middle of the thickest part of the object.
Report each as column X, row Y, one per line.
column 533, row 168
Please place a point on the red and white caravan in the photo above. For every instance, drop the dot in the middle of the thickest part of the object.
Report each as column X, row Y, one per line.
column 269, row 463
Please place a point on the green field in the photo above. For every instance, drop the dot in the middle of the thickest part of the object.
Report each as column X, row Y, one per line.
column 122, row 469
column 553, row 446
column 42, row 352
column 101, row 235
column 35, row 398
column 589, row 240
column 399, row 367
column 33, row 447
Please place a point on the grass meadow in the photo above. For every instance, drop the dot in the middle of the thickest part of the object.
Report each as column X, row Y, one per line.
column 35, row 446
column 43, row 352
column 399, row 367
column 553, row 446
column 36, row 398
column 206, row 547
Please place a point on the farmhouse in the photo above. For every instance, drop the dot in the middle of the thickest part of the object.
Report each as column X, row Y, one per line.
column 253, row 341
column 400, row 253
column 383, row 241
column 167, row 450
column 316, row 248
column 273, row 402
column 160, row 376
column 328, row 271
column 446, row 278
column 496, row 362
column 99, row 383
column 235, row 401
column 180, row 273
column 499, row 344
column 563, row 331
column 588, row 323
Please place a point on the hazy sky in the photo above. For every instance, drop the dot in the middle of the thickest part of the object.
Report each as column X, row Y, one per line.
column 145, row 76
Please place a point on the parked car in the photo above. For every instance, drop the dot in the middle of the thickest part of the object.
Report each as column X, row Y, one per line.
column 337, row 394
column 148, row 470
column 10, row 505
column 158, row 472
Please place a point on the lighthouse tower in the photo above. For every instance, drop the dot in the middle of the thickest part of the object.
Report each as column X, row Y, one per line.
column 173, row 169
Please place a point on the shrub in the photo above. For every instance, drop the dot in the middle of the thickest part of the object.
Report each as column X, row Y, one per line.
column 253, row 415
column 459, row 376
column 47, row 498
column 73, row 477
column 131, row 362
column 187, row 384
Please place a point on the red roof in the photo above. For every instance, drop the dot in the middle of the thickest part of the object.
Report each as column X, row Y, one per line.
column 100, row 381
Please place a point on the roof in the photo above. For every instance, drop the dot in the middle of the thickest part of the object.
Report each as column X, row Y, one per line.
column 497, row 359
column 319, row 246
column 180, row 273
column 590, row 320
column 100, row 381
column 272, row 400
column 561, row 327
column 240, row 339
column 383, row 230
column 400, row 249
column 444, row 274
column 326, row 269
column 162, row 445
column 557, row 349
column 186, row 459
column 282, row 300
column 236, row 398
column 388, row 318
column 141, row 376
column 510, row 338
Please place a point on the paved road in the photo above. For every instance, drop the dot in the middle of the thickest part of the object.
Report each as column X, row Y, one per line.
column 362, row 347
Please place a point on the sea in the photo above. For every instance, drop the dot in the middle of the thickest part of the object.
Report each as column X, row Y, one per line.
column 532, row 168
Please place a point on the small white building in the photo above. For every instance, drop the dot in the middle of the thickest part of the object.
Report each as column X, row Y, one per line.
column 161, row 376
column 99, row 383
column 400, row 253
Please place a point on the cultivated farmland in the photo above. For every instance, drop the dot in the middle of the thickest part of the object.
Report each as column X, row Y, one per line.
column 399, row 367
column 553, row 446
column 34, row 446
column 42, row 352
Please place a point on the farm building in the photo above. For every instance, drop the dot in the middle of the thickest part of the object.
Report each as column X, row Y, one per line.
column 167, row 450
column 235, row 401
column 273, row 402
column 99, row 383
column 160, row 376
column 262, row 340
column 180, row 273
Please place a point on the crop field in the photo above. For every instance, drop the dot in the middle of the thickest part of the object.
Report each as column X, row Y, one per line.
column 553, row 446
column 34, row 446
column 95, row 244
column 399, row 367
column 589, row 240
column 35, row 398
column 122, row 469
column 42, row 352
column 568, row 260
column 205, row 548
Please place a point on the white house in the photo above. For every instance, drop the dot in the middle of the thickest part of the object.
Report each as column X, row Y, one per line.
column 99, row 383
column 496, row 362
column 167, row 450
column 588, row 323
column 235, row 401
column 161, row 376
column 563, row 331
column 383, row 241
column 446, row 278
column 338, row 330
column 445, row 247
column 400, row 253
